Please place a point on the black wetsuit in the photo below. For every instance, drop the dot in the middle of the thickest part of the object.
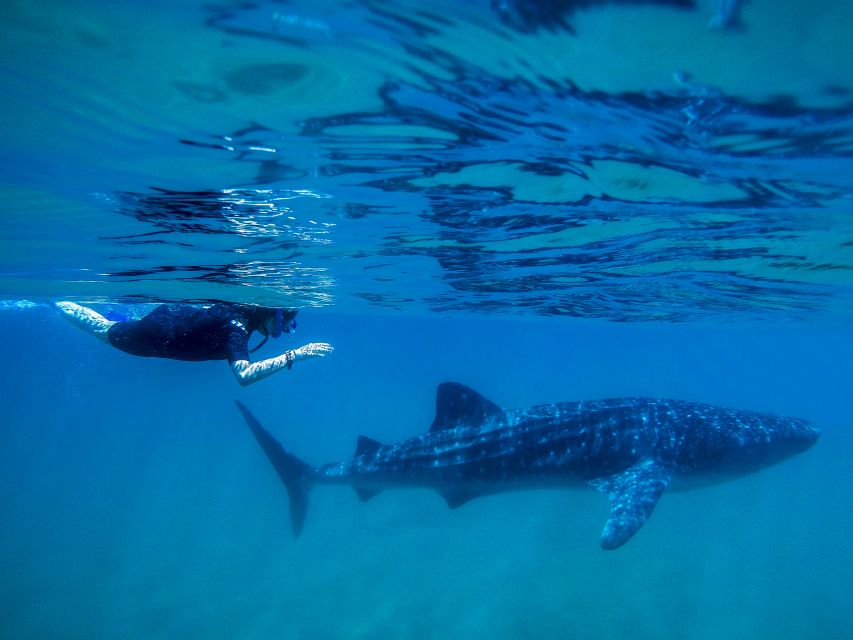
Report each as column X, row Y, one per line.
column 184, row 332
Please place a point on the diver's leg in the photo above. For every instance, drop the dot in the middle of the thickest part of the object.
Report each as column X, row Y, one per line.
column 90, row 321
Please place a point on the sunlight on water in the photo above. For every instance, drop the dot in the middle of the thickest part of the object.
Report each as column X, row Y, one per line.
column 492, row 156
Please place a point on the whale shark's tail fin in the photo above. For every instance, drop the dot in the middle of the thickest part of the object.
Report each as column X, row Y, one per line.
column 294, row 473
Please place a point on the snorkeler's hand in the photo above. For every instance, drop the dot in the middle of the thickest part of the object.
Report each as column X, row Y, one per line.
column 312, row 350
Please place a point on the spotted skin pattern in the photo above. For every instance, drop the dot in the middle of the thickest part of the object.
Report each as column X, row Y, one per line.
column 630, row 449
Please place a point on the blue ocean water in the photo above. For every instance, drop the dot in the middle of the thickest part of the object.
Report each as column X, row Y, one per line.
column 546, row 201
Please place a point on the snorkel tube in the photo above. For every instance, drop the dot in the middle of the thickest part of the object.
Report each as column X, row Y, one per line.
column 279, row 318
column 260, row 344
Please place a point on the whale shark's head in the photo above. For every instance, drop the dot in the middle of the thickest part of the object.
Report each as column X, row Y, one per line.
column 799, row 436
column 772, row 441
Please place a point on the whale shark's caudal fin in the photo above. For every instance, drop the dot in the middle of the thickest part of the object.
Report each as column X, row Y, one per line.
column 459, row 406
column 294, row 473
column 633, row 495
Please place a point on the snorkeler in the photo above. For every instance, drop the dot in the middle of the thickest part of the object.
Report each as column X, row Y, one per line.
column 188, row 332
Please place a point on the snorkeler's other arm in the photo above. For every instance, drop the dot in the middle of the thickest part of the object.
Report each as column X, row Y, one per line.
column 85, row 318
column 248, row 372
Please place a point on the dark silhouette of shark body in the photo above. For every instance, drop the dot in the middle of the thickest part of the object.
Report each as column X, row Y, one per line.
column 628, row 448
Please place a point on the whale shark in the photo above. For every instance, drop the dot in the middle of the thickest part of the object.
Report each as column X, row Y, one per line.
column 630, row 449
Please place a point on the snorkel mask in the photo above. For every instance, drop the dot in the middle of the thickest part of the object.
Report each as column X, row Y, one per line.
column 278, row 328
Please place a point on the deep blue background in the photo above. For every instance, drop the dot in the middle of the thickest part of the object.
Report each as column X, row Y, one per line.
column 134, row 501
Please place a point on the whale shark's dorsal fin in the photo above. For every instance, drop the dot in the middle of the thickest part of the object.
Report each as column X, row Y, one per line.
column 633, row 495
column 366, row 445
column 459, row 406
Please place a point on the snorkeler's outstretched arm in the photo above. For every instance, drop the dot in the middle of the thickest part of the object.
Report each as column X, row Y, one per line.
column 248, row 372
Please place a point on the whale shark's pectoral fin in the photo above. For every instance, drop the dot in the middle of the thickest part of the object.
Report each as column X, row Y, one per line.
column 633, row 495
